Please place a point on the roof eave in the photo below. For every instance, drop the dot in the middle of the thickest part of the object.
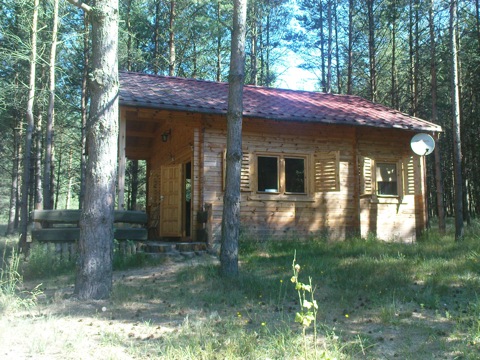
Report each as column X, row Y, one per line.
column 429, row 127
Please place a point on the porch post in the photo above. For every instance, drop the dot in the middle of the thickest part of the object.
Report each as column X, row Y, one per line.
column 121, row 160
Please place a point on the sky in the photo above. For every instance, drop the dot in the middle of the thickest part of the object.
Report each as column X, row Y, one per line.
column 294, row 78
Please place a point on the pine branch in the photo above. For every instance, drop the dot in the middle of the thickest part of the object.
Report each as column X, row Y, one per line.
column 80, row 4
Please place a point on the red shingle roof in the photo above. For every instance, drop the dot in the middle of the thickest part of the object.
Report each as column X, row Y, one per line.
column 172, row 93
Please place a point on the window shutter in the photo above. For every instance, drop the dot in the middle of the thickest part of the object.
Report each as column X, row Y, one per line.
column 326, row 166
column 245, row 175
column 366, row 176
column 409, row 175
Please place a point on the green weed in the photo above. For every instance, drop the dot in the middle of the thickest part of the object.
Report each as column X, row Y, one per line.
column 12, row 297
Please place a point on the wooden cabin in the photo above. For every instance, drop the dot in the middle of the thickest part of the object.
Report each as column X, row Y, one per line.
column 313, row 163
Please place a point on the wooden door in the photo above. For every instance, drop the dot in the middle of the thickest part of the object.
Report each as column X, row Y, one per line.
column 171, row 192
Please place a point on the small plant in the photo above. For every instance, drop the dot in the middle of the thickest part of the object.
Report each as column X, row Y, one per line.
column 308, row 305
column 10, row 281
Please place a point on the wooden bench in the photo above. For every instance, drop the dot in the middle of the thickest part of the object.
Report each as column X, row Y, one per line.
column 61, row 226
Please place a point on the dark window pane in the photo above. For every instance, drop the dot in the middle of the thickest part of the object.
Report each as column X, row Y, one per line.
column 387, row 188
column 387, row 179
column 267, row 174
column 294, row 175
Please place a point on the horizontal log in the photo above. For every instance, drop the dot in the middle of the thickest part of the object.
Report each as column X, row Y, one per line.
column 56, row 234
column 72, row 234
column 139, row 234
column 73, row 216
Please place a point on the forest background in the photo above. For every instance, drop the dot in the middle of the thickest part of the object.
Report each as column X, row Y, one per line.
column 394, row 52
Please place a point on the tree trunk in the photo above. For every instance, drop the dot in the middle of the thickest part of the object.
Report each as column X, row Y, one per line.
column 254, row 50
column 416, row 63
column 129, row 35
column 394, row 57
column 59, row 171
column 70, row 180
column 322, row 47
column 171, row 40
column 268, row 77
column 156, row 38
column 218, row 66
column 411, row 47
column 350, row 48
column 84, row 111
column 231, row 198
column 457, row 144
column 95, row 253
column 49, row 147
column 433, row 76
column 38, row 198
column 337, row 51
column 372, row 51
column 14, row 185
column 329, row 46
column 23, row 245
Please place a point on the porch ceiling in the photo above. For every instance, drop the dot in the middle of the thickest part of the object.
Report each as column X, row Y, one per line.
column 140, row 134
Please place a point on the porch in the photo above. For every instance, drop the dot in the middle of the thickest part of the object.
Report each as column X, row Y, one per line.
column 60, row 229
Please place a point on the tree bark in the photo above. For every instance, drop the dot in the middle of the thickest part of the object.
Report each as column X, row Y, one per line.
column 23, row 245
column 329, row 46
column 457, row 144
column 254, row 47
column 337, row 51
column 322, row 46
column 14, row 184
column 393, row 90
column 84, row 110
column 372, row 51
column 171, row 40
column 156, row 38
column 231, row 198
column 95, row 253
column 38, row 198
column 350, row 48
column 218, row 63
column 48, row 169
column 433, row 91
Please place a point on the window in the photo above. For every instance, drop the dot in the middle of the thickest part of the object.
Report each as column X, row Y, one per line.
column 268, row 174
column 386, row 177
column 294, row 175
column 281, row 174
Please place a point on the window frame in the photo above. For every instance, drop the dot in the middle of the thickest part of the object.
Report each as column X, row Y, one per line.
column 368, row 177
column 378, row 166
column 281, row 173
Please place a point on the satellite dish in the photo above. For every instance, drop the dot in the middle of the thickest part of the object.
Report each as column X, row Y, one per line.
column 422, row 144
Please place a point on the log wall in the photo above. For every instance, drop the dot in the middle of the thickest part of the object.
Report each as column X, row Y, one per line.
column 335, row 213
column 340, row 199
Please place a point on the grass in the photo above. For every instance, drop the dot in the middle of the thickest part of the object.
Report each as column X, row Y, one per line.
column 376, row 300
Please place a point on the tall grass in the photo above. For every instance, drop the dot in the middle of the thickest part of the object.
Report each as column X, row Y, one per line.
column 375, row 300
column 12, row 296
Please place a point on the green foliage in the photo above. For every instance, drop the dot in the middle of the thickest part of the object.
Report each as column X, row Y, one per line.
column 308, row 305
column 185, row 309
column 47, row 261
column 12, row 296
